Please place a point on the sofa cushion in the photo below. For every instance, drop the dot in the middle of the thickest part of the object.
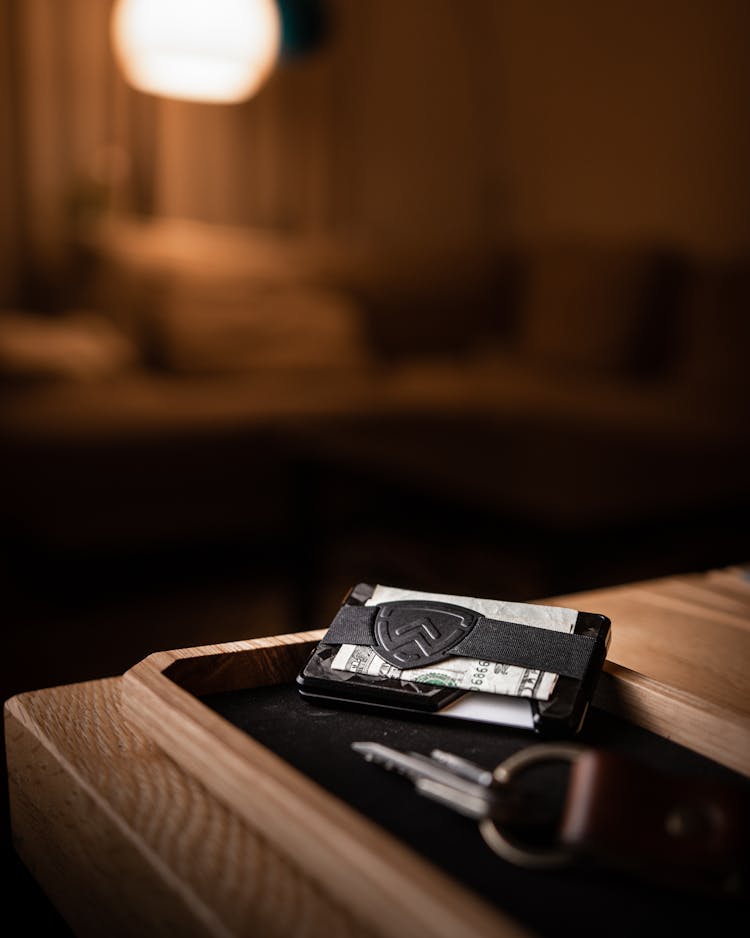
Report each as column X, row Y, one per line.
column 598, row 309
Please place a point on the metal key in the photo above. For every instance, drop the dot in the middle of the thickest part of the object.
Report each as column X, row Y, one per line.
column 456, row 782
column 488, row 797
column 648, row 839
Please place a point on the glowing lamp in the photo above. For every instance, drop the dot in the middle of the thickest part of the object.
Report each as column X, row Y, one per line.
column 219, row 51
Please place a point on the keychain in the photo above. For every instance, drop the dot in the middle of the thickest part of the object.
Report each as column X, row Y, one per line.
column 687, row 832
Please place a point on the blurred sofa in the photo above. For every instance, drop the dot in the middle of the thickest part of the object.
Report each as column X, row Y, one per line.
column 566, row 384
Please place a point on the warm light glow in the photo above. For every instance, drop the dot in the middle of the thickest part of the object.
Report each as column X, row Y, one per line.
column 197, row 50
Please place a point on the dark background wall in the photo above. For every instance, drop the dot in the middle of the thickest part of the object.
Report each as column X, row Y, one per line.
column 459, row 301
column 253, row 341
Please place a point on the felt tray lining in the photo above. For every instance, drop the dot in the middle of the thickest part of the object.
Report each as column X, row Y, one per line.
column 317, row 741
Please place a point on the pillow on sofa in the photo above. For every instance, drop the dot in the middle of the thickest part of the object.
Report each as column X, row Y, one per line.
column 600, row 309
column 716, row 334
column 218, row 324
column 434, row 302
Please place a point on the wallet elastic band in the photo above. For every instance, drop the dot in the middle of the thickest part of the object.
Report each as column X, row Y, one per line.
column 515, row 643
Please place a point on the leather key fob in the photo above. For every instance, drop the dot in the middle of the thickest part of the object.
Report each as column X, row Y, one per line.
column 684, row 831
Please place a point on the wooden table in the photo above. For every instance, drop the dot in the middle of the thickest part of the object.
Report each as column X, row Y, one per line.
column 127, row 842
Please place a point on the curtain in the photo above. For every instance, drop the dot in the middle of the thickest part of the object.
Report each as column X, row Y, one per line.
column 77, row 143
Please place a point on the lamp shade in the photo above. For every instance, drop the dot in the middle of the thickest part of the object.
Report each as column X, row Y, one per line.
column 197, row 50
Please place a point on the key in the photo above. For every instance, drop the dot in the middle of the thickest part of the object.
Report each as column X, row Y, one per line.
column 488, row 797
column 710, row 858
column 444, row 777
column 463, row 767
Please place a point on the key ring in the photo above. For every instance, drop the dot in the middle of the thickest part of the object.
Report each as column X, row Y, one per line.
column 519, row 854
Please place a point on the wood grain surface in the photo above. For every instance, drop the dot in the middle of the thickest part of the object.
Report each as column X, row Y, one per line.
column 691, row 633
column 126, row 843
column 393, row 890
column 679, row 661
column 174, row 822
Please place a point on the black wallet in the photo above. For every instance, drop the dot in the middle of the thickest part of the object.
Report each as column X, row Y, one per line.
column 436, row 657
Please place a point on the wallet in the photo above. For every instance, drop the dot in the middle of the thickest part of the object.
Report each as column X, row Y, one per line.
column 439, row 656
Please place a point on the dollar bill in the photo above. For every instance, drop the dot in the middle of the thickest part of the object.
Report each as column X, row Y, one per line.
column 464, row 673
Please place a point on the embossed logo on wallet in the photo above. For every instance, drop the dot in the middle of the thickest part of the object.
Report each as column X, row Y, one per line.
column 414, row 633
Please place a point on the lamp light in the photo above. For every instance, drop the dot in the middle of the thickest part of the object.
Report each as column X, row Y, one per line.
column 218, row 51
